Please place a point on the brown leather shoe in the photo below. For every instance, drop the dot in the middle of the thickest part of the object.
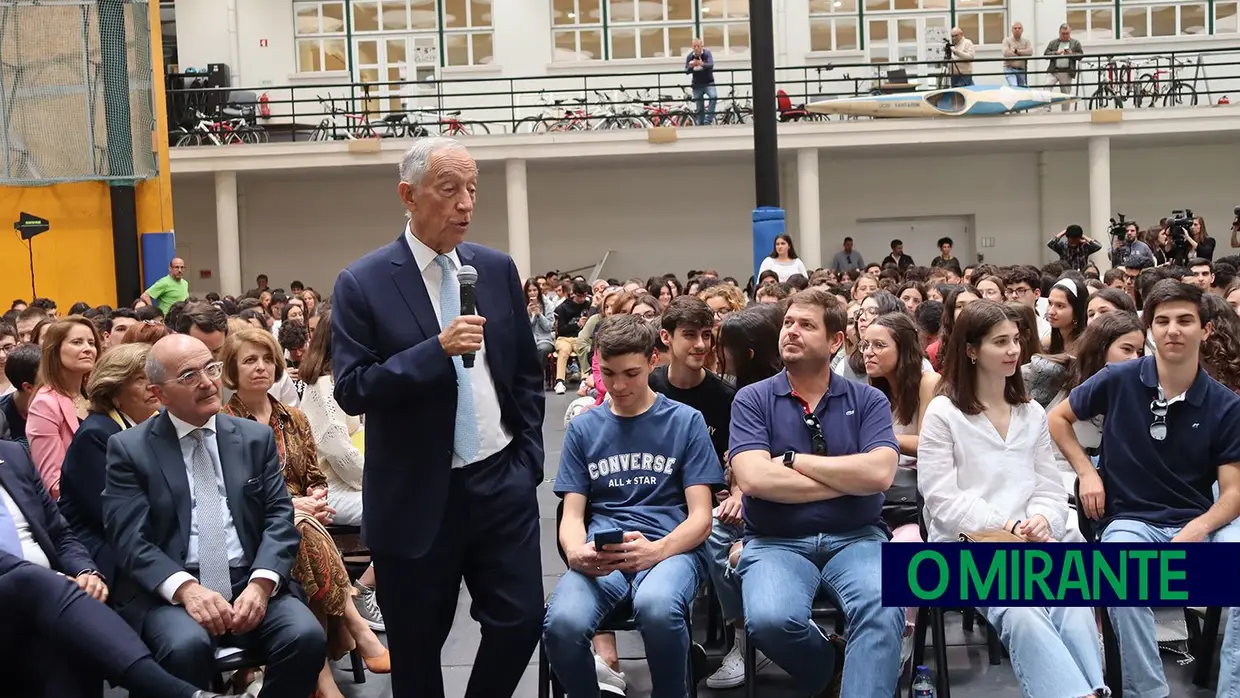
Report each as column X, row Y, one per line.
column 381, row 664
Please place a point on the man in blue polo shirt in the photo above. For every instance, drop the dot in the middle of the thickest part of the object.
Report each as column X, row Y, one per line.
column 643, row 464
column 1170, row 435
column 813, row 454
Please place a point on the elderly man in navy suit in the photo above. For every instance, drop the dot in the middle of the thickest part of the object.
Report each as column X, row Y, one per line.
column 454, row 408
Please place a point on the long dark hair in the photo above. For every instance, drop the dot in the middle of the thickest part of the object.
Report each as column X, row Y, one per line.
column 1090, row 350
column 1220, row 352
column 1078, row 300
column 886, row 304
column 951, row 292
column 905, row 395
column 317, row 361
column 792, row 251
column 959, row 375
column 1030, row 342
column 753, row 330
column 1120, row 299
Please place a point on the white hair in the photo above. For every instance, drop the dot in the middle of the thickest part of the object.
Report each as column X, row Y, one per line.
column 417, row 160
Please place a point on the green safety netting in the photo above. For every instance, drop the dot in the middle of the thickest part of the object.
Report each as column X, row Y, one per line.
column 75, row 92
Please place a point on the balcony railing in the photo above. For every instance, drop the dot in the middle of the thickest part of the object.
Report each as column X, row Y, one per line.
column 556, row 103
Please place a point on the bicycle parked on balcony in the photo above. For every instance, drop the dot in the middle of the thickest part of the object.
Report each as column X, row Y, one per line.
column 235, row 129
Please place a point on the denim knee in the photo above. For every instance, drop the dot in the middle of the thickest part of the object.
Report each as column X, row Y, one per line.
column 768, row 623
column 661, row 609
column 566, row 623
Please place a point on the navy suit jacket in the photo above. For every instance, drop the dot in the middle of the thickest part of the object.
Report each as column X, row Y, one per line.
column 81, row 487
column 64, row 551
column 388, row 364
column 146, row 506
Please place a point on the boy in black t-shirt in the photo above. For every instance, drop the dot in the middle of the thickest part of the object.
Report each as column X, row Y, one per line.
column 688, row 332
column 570, row 315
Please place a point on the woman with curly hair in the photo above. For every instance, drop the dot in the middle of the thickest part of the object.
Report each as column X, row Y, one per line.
column 1220, row 352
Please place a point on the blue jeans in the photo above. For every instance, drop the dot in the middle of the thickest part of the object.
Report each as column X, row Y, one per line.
column 706, row 97
column 962, row 80
column 722, row 575
column 1016, row 77
column 661, row 597
column 780, row 578
column 1134, row 627
column 1055, row 651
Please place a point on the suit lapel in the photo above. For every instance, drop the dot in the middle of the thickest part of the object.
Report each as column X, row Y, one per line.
column 167, row 450
column 408, row 279
column 232, row 464
column 12, row 484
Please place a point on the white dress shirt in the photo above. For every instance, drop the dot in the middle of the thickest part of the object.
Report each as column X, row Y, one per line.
column 493, row 437
column 974, row 480
column 236, row 553
column 31, row 551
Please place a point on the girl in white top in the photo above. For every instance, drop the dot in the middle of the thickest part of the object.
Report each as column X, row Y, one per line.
column 985, row 462
column 783, row 259
column 339, row 459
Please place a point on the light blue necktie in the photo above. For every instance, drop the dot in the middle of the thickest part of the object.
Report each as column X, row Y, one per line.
column 465, row 435
column 10, row 542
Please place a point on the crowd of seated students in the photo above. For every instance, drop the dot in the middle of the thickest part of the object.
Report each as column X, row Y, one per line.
column 986, row 391
column 75, row 502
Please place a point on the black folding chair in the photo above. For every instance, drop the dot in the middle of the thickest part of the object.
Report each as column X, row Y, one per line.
column 1113, row 671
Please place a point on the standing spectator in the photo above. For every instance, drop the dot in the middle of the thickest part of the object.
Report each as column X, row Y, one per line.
column 897, row 257
column 962, row 59
column 783, row 259
column 1062, row 70
column 170, row 289
column 1015, row 70
column 847, row 261
column 945, row 259
column 1073, row 247
column 804, row 532
column 700, row 63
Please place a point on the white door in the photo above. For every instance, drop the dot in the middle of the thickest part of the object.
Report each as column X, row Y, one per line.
column 393, row 69
column 919, row 235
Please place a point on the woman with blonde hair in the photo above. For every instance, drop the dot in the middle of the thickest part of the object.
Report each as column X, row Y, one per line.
column 253, row 363
column 119, row 398
column 70, row 349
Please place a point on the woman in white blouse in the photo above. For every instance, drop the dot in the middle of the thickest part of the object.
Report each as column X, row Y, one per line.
column 334, row 431
column 783, row 259
column 985, row 462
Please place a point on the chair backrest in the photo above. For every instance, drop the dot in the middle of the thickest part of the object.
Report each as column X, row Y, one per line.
column 782, row 101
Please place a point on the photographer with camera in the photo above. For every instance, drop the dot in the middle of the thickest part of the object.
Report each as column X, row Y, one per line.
column 959, row 51
column 1125, row 241
column 1235, row 227
column 1188, row 239
column 1073, row 247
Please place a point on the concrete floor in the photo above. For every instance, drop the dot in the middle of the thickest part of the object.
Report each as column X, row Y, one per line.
column 971, row 675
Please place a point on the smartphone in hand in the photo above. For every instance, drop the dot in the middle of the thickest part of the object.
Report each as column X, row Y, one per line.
column 611, row 536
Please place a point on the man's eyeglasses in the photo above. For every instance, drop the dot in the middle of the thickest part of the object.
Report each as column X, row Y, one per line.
column 1016, row 292
column 5, row 349
column 211, row 372
column 1158, row 428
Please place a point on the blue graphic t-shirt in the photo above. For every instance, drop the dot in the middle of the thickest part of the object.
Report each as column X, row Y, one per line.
column 634, row 470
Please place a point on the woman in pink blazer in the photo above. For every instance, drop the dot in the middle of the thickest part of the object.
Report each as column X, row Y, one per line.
column 70, row 347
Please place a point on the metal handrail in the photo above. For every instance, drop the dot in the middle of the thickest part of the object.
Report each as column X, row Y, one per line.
column 460, row 106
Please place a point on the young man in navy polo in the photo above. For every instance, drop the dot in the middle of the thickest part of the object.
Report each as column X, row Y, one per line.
column 813, row 454
column 1171, row 434
column 645, row 465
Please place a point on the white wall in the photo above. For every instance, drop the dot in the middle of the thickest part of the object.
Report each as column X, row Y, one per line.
column 660, row 217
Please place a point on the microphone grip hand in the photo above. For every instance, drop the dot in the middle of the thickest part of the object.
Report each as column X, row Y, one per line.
column 463, row 335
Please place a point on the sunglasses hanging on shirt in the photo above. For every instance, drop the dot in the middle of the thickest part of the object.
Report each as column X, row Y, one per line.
column 818, row 442
column 1158, row 407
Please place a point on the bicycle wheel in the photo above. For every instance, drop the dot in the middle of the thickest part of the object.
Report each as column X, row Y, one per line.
column 1145, row 93
column 1101, row 98
column 248, row 134
column 232, row 137
column 188, row 138
column 530, row 124
column 1181, row 94
column 481, row 126
column 320, row 132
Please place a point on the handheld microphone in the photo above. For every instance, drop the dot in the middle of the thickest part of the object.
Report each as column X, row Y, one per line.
column 468, row 278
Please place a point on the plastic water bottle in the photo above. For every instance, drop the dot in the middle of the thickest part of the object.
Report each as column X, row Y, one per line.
column 923, row 685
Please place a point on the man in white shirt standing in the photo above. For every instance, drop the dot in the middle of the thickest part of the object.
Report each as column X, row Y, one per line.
column 1015, row 47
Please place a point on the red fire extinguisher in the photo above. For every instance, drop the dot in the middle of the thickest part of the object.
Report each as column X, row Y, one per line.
column 1224, row 100
column 264, row 106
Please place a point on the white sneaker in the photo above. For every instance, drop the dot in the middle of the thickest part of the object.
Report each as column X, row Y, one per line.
column 610, row 681
column 559, row 387
column 731, row 672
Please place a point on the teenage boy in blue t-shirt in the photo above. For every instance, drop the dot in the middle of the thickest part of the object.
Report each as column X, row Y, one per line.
column 1170, row 437
column 645, row 465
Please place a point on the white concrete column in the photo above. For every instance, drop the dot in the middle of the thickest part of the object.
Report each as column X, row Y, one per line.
column 1100, row 197
column 518, row 216
column 228, row 236
column 808, row 212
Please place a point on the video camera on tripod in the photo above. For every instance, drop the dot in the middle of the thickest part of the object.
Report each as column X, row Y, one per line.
column 1178, row 226
column 1235, row 222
